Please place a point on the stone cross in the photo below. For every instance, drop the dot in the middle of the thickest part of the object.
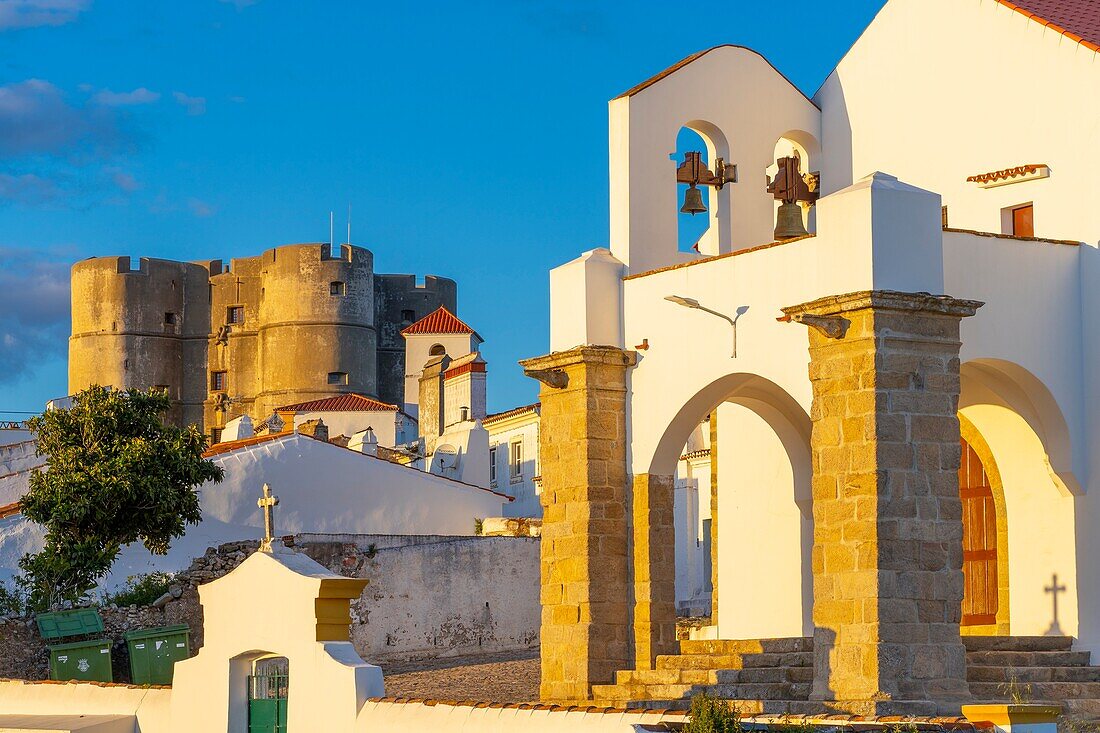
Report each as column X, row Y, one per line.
column 268, row 503
column 1054, row 589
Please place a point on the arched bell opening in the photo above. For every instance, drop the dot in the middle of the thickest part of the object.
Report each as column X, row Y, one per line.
column 703, row 201
column 760, row 473
column 794, row 218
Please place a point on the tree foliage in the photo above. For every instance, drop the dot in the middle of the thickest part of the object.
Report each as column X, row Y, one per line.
column 712, row 715
column 117, row 474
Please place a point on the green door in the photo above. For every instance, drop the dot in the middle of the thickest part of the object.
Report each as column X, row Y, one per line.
column 267, row 693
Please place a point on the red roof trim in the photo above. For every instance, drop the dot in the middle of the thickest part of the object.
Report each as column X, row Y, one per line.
column 439, row 321
column 474, row 366
column 231, row 445
column 1089, row 25
column 10, row 510
column 350, row 402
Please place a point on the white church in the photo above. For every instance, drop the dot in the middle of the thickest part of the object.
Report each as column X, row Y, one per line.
column 886, row 329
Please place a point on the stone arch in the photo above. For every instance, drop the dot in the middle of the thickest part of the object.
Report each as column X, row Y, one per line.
column 763, row 469
column 974, row 438
column 1024, row 432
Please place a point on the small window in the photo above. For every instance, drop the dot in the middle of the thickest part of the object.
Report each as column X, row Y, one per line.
column 218, row 381
column 215, row 436
column 169, row 319
column 234, row 314
column 408, row 316
column 337, row 377
column 493, row 465
column 1023, row 221
column 336, row 288
column 437, row 350
column 516, row 459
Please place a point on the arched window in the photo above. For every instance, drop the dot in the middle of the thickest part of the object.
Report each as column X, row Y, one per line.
column 437, row 350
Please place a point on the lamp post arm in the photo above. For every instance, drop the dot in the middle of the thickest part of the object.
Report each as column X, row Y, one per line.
column 731, row 321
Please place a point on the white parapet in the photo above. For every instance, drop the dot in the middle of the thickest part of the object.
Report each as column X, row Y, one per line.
column 586, row 302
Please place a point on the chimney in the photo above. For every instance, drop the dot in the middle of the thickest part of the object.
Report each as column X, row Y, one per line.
column 365, row 442
column 315, row 428
column 431, row 401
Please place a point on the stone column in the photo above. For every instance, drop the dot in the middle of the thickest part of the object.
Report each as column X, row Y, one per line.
column 585, row 633
column 654, row 565
column 887, row 556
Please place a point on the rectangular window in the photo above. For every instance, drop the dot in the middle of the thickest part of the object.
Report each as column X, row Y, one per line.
column 161, row 388
column 493, row 465
column 336, row 288
column 218, row 381
column 516, row 459
column 234, row 314
column 215, row 436
column 169, row 319
column 408, row 316
column 337, row 377
column 1023, row 221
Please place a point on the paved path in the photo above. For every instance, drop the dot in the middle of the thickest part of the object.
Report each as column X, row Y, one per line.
column 507, row 677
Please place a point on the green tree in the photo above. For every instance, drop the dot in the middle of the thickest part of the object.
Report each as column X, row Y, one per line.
column 117, row 474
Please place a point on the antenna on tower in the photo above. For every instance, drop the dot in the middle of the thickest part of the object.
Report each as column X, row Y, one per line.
column 349, row 222
column 330, row 230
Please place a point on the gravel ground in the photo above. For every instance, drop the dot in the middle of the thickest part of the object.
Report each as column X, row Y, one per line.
column 508, row 677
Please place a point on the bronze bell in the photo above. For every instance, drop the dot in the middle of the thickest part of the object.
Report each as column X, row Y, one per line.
column 788, row 222
column 693, row 201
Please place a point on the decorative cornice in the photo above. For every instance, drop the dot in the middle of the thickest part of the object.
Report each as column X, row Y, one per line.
column 891, row 300
column 1019, row 174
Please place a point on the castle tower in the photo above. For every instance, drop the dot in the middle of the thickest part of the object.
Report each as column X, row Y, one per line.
column 141, row 328
column 317, row 332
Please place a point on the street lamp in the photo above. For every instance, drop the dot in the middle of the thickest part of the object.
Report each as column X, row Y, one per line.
column 695, row 305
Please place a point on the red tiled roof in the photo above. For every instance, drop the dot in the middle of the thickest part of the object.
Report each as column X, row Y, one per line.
column 1078, row 20
column 9, row 510
column 439, row 321
column 498, row 416
column 232, row 445
column 350, row 402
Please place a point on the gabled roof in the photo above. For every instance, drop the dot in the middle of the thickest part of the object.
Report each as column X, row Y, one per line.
column 1078, row 20
column 440, row 321
column 350, row 402
column 514, row 412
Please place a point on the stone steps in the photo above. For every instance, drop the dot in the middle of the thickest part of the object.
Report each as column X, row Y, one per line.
column 1018, row 643
column 975, row 673
column 1038, row 691
column 1027, row 659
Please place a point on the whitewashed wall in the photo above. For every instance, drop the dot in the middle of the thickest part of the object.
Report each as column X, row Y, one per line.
column 993, row 91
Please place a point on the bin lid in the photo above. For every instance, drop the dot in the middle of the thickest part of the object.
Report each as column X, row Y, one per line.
column 73, row 645
column 134, row 634
column 76, row 622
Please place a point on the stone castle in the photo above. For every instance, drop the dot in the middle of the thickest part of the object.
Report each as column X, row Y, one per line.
column 299, row 322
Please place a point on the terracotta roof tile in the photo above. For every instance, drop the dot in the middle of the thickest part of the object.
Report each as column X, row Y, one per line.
column 1078, row 20
column 498, row 416
column 232, row 445
column 350, row 402
column 9, row 510
column 439, row 321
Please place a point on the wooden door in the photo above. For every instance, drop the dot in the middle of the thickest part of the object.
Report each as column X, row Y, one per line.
column 1023, row 221
column 979, row 515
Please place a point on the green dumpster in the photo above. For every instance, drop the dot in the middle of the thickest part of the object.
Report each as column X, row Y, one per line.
column 154, row 653
column 81, row 660
column 87, row 659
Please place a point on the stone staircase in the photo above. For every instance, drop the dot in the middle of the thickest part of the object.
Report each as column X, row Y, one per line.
column 774, row 676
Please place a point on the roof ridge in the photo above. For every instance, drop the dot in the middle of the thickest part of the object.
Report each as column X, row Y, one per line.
column 441, row 320
column 341, row 402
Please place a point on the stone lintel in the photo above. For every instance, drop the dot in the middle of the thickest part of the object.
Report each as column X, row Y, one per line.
column 885, row 300
column 610, row 355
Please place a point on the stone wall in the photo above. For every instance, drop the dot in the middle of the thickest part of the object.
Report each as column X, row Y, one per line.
column 429, row 596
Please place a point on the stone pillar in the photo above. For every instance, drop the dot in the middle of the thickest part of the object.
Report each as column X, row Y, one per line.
column 431, row 406
column 887, row 556
column 654, row 558
column 585, row 633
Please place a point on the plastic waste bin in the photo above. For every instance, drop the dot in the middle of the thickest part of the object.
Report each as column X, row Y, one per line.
column 87, row 659
column 154, row 653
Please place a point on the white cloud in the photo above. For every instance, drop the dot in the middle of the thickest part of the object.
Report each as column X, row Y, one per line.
column 34, row 298
column 141, row 95
column 36, row 118
column 31, row 13
column 193, row 105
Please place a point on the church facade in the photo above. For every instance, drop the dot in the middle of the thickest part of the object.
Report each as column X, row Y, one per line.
column 901, row 386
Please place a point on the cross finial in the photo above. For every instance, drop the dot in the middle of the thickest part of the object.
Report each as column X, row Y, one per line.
column 1054, row 589
column 268, row 503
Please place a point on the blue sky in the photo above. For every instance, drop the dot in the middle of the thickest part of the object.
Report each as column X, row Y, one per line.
column 470, row 139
